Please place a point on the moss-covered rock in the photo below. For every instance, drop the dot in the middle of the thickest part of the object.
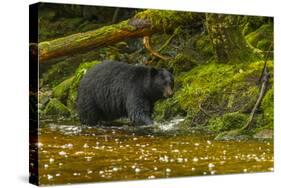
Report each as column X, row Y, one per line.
column 226, row 92
column 221, row 85
column 236, row 134
column 228, row 121
column 61, row 91
column 56, row 108
column 264, row 134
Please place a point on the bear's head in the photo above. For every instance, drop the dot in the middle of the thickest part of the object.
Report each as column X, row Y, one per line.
column 161, row 83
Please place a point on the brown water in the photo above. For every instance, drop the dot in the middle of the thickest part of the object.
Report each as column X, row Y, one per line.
column 73, row 154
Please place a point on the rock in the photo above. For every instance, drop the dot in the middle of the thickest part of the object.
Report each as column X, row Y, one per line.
column 236, row 134
column 264, row 134
column 55, row 108
column 44, row 98
column 61, row 90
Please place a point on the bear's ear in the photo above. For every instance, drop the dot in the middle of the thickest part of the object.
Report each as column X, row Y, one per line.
column 153, row 71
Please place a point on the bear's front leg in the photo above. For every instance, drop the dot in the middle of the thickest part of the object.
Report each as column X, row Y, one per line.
column 141, row 119
column 139, row 111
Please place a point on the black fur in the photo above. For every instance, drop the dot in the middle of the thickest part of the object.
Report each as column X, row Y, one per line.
column 112, row 90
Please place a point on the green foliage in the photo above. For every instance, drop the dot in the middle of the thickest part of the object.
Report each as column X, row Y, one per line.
column 203, row 45
column 54, row 29
column 252, row 23
column 57, row 73
column 263, row 35
column 228, row 121
column 264, row 44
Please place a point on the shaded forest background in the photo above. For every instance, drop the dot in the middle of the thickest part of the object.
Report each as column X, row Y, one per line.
column 217, row 60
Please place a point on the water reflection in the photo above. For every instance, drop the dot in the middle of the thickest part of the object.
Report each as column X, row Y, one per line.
column 72, row 153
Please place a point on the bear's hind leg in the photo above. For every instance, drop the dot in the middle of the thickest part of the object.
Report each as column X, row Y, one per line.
column 88, row 118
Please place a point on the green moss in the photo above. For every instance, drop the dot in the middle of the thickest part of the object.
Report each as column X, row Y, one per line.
column 228, row 121
column 219, row 89
column 254, row 22
column 201, row 82
column 203, row 45
column 166, row 109
column 182, row 63
column 165, row 19
column 56, row 108
column 264, row 44
column 54, row 75
column 221, row 80
column 61, row 91
column 49, row 30
column 264, row 32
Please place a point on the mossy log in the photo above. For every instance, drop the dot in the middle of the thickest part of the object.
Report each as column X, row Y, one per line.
column 142, row 24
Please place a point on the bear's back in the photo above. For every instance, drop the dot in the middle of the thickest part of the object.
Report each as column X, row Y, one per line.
column 108, row 84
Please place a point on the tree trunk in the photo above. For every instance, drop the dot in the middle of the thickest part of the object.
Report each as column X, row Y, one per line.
column 227, row 39
column 142, row 24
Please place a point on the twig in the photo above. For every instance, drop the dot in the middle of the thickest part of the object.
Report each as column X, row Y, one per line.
column 265, row 62
column 176, row 32
column 115, row 15
column 146, row 43
column 202, row 110
column 262, row 91
column 264, row 79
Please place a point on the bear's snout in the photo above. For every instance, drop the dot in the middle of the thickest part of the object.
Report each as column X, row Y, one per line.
column 168, row 92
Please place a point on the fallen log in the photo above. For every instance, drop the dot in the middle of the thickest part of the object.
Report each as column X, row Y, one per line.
column 142, row 24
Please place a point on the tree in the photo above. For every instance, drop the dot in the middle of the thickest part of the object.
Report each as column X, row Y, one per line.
column 227, row 39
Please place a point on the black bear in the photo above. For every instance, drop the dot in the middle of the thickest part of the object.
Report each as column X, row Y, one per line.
column 113, row 89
